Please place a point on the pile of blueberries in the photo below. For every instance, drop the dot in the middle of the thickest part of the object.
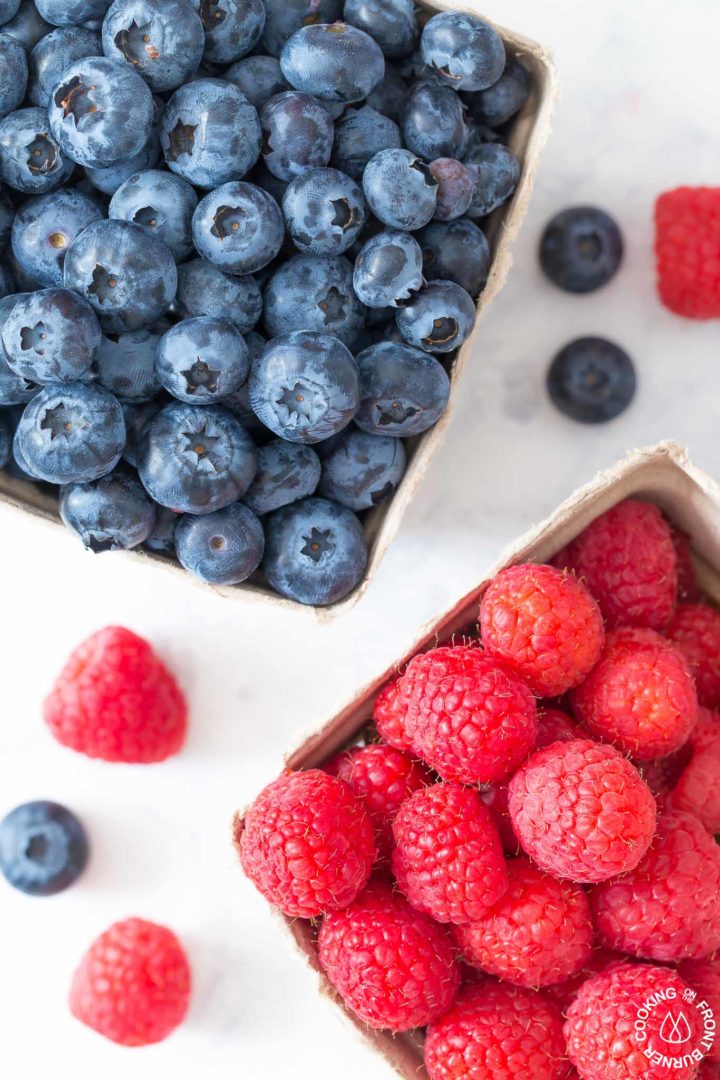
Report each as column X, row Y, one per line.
column 239, row 245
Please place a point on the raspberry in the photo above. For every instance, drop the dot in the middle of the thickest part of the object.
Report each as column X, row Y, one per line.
column 600, row 1031
column 688, row 591
column 497, row 1032
column 709, row 1071
column 640, row 696
column 467, row 716
column 564, row 993
column 668, row 907
column 393, row 966
column 306, row 843
column 539, row 933
column 544, row 625
column 448, row 858
column 695, row 630
column 581, row 811
column 116, row 700
column 697, row 788
column 703, row 976
column 133, row 984
column 388, row 714
column 687, row 242
column 554, row 725
column 626, row 557
column 381, row 777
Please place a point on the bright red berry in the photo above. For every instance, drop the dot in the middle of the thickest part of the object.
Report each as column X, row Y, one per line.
column 668, row 906
column 389, row 714
column 703, row 976
column 687, row 241
column 497, row 1032
column 133, row 984
column 563, row 993
column 307, row 843
column 540, row 932
column 697, row 788
column 467, row 716
column 695, row 630
column 554, row 725
column 448, row 859
column 626, row 557
column 688, row 591
column 602, row 1032
column 393, row 966
column 116, row 700
column 640, row 696
column 544, row 625
column 581, row 811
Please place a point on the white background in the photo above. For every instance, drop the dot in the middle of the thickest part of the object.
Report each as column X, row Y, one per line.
column 637, row 115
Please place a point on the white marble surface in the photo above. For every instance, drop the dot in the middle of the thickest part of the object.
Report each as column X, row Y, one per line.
column 638, row 114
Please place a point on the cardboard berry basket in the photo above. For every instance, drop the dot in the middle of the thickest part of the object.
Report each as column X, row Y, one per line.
column 662, row 474
column 528, row 133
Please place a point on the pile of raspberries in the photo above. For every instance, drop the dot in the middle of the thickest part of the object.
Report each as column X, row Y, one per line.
column 526, row 855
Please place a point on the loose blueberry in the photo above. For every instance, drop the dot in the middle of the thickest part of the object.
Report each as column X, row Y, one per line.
column 284, row 17
column 203, row 289
column 591, row 380
column 43, row 848
column 333, row 61
column 238, row 227
column 324, row 211
column 14, row 390
column 72, row 12
column 497, row 172
column 297, row 134
column 360, row 134
column 202, row 360
column 162, row 40
column 400, row 189
column 113, row 513
column 13, row 74
column 362, row 470
column 581, row 249
column 456, row 251
column 392, row 23
column 7, row 215
column 7, row 430
column 161, row 540
column 437, row 319
column 286, row 472
column 8, row 10
column 259, row 78
column 504, row 98
column 27, row 27
column 51, row 336
column 403, row 391
column 463, row 50
column 125, row 364
column 232, row 28
column 456, row 188
column 54, row 54
column 7, row 281
column 223, row 548
column 44, row 229
column 110, row 177
column 160, row 202
column 389, row 96
column 136, row 417
column 434, row 125
column 314, row 292
column 388, row 270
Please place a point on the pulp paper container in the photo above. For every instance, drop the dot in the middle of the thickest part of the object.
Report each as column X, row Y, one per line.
column 661, row 474
column 529, row 132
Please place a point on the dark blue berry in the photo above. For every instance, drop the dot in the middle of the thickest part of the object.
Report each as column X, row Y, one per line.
column 223, row 548
column 44, row 229
column 161, row 540
column 13, row 74
column 125, row 364
column 232, row 28
column 136, row 417
column 8, row 10
column 314, row 292
column 463, row 50
column 27, row 27
column 437, row 319
column 109, row 178
column 324, row 211
column 238, row 227
column 433, row 125
column 504, row 98
column 456, row 251
column 259, row 78
column 54, row 54
column 591, row 380
column 333, row 61
column 51, row 336
column 315, row 551
column 43, row 848
column 71, row 12
column 284, row 17
column 297, row 134
column 362, row 470
column 360, row 134
column 160, row 202
column 14, row 390
column 388, row 270
column 7, row 215
column 403, row 391
column 392, row 23
column 400, row 189
column 389, row 96
column 497, row 172
column 456, row 188
column 7, row 430
column 113, row 513
column 202, row 360
column 203, row 289
column 7, row 281
column 286, row 472
column 162, row 40
column 581, row 249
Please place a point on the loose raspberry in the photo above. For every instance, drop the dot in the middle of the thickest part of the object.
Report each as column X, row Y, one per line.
column 381, row 777
column 389, row 713
column 467, row 716
column 554, row 725
column 564, row 993
column 133, row 984
column 602, row 1038
column 544, row 625
column 626, row 557
column 539, row 933
column 116, row 700
column 640, row 696
column 306, row 843
column 497, row 1032
column 448, row 858
column 495, row 798
column 703, row 976
column 695, row 630
column 688, row 591
column 393, row 966
column 668, row 907
column 581, row 811
column 697, row 788
column 687, row 241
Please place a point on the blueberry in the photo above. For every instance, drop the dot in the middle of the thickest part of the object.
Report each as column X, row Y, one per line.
column 286, row 472
column 304, row 386
column 100, row 112
column 7, row 216
column 591, row 380
column 195, row 458
column 456, row 251
column 359, row 135
column 315, row 551
column 581, row 249
column 8, row 10
column 238, row 227
column 55, row 53
column 284, row 17
column 136, row 417
column 362, row 470
column 162, row 40
column 45, row 227
column 161, row 540
column 297, row 134
column 333, row 61
column 202, row 360
column 324, row 211
column 390, row 94
column 27, row 27
column 72, row 433
column 392, row 23
column 113, row 513
column 400, row 189
column 232, row 28
column 13, row 74
column 30, row 159
column 403, row 391
column 7, row 282
column 210, row 133
column 162, row 203
column 125, row 274
column 203, row 289
column 109, row 178
column 314, row 292
column 14, row 390
column 71, row 12
column 43, row 848
column 497, row 172
column 7, row 429
column 433, row 125
column 223, row 548
column 125, row 364
column 51, row 336
column 388, row 270
column 504, row 98
column 259, row 78
column 463, row 50
column 456, row 188
column 439, row 318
